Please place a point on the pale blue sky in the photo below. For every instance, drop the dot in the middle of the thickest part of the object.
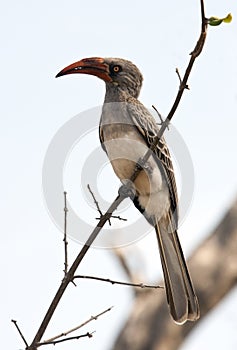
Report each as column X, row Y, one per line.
column 40, row 38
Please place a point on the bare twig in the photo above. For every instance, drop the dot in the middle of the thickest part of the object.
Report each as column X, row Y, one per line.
column 77, row 327
column 158, row 113
column 118, row 217
column 89, row 335
column 122, row 194
column 160, row 116
column 65, row 235
column 100, row 211
column 180, row 79
column 20, row 332
column 97, row 204
column 115, row 217
column 95, row 201
column 139, row 285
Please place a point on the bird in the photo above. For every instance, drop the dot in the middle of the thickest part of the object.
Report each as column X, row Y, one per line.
column 127, row 129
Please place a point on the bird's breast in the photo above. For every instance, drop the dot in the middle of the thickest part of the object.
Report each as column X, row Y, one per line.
column 124, row 146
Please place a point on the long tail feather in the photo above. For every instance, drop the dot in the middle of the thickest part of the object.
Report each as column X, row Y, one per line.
column 180, row 293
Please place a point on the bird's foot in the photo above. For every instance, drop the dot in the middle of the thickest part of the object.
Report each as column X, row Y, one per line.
column 127, row 189
column 145, row 166
column 148, row 168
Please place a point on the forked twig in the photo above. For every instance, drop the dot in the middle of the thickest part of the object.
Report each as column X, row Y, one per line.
column 100, row 211
column 49, row 341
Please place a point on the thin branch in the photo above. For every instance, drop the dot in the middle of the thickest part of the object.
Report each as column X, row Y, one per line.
column 65, row 235
column 139, row 285
column 180, row 79
column 118, row 217
column 204, row 20
column 122, row 194
column 115, row 217
column 89, row 335
column 159, row 115
column 100, row 211
column 20, row 332
column 97, row 204
column 95, row 201
column 77, row 327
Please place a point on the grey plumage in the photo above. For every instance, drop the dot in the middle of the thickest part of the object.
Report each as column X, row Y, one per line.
column 127, row 130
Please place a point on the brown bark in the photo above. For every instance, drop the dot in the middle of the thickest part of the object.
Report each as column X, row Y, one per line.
column 213, row 268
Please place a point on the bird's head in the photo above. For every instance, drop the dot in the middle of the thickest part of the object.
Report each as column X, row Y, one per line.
column 115, row 72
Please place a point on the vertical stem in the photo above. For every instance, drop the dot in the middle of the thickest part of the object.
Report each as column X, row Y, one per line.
column 65, row 235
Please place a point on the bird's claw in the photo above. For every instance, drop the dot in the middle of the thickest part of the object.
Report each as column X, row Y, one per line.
column 145, row 166
column 127, row 189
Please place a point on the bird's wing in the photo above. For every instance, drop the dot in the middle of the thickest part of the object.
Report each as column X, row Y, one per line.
column 180, row 293
column 147, row 126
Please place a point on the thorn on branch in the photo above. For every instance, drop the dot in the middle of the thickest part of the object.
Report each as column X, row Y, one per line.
column 100, row 211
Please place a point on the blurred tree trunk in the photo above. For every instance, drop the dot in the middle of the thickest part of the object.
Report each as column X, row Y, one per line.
column 213, row 268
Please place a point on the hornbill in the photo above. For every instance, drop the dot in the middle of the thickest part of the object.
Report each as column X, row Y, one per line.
column 126, row 131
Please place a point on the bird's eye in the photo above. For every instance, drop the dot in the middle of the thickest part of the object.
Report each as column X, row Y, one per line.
column 116, row 69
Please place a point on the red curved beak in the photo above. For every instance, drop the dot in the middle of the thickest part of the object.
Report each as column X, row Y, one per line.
column 93, row 66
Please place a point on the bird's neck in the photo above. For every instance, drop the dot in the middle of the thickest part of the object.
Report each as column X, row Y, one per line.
column 115, row 93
